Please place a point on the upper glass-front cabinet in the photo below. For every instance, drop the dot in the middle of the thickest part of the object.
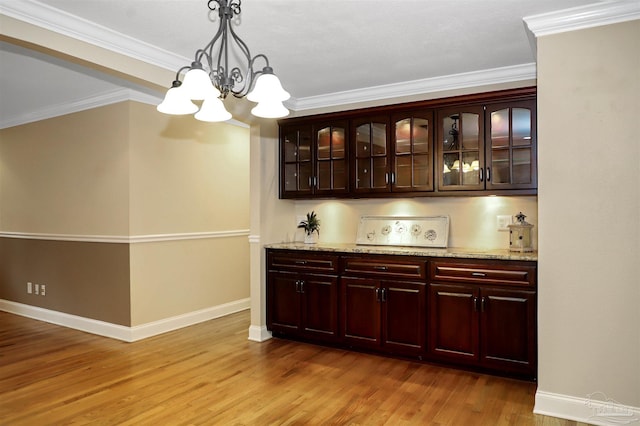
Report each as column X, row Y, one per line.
column 511, row 145
column 412, row 148
column 332, row 172
column 460, row 148
column 371, row 146
column 296, row 165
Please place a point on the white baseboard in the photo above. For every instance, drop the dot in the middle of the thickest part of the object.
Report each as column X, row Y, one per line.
column 259, row 333
column 596, row 409
column 120, row 332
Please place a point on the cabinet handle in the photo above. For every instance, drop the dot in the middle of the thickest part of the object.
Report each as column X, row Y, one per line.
column 297, row 286
column 393, row 178
column 488, row 174
column 475, row 304
column 301, row 262
column 377, row 294
column 301, row 286
column 384, row 294
column 380, row 268
column 483, row 304
column 478, row 274
column 386, row 178
column 481, row 174
column 315, row 181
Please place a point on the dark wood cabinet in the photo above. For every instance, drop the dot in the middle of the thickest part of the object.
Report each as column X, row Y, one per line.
column 381, row 308
column 480, row 314
column 467, row 145
column 483, row 314
column 488, row 147
column 314, row 159
column 302, row 303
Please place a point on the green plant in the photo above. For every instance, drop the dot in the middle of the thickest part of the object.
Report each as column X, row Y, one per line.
column 311, row 225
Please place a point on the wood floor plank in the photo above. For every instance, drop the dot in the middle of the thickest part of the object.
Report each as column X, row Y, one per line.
column 210, row 374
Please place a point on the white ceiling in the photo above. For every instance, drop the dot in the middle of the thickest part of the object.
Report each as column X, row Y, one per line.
column 318, row 48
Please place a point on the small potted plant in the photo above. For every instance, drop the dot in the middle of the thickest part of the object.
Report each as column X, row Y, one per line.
column 311, row 225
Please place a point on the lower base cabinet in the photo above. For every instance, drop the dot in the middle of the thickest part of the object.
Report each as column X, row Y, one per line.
column 472, row 313
column 386, row 316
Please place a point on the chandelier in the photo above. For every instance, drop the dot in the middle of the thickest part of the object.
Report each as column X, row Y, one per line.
column 210, row 78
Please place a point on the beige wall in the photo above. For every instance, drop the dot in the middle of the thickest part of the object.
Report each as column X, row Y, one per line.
column 65, row 175
column 589, row 199
column 472, row 220
column 117, row 172
column 186, row 175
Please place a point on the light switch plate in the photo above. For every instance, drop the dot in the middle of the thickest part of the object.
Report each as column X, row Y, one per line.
column 503, row 221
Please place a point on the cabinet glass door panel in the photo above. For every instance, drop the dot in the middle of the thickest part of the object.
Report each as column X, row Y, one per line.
column 331, row 159
column 324, row 175
column 403, row 172
column 521, row 125
column 304, row 176
column 500, row 166
column 371, row 162
column 380, row 176
column 403, row 136
column 522, row 165
column 470, row 168
column 451, row 170
column 412, row 146
column 511, row 145
column 460, row 148
column 470, row 131
column 324, row 143
column 500, row 128
column 363, row 173
column 379, row 138
column 296, row 156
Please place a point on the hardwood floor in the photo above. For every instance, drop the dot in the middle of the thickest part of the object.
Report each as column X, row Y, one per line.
column 210, row 374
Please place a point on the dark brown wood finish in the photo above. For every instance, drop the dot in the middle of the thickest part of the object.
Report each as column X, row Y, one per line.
column 484, row 314
column 302, row 294
column 376, row 174
column 479, row 314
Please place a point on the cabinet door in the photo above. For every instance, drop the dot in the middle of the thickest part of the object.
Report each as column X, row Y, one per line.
column 295, row 161
column 511, row 145
column 404, row 317
column 283, row 303
column 319, row 306
column 508, row 330
column 370, row 144
column 453, row 322
column 412, row 148
column 331, row 174
column 361, row 312
column 460, row 148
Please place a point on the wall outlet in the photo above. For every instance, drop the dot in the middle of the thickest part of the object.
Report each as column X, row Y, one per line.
column 503, row 222
column 43, row 290
column 29, row 288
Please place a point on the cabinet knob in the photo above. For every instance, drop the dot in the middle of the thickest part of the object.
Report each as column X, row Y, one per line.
column 380, row 268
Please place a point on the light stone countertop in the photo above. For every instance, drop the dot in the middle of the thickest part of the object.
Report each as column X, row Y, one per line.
column 452, row 252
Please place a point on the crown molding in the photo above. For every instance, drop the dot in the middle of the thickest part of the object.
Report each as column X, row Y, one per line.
column 582, row 17
column 95, row 101
column 418, row 87
column 58, row 21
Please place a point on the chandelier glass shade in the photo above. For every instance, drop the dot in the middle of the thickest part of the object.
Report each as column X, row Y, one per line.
column 210, row 78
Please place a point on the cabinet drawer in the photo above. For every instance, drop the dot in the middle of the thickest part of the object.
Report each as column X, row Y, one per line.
column 507, row 273
column 385, row 267
column 297, row 261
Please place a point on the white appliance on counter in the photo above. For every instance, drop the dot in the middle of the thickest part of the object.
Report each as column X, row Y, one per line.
column 417, row 231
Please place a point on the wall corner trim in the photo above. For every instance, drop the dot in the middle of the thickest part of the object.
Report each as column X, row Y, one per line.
column 120, row 332
column 596, row 408
column 259, row 333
